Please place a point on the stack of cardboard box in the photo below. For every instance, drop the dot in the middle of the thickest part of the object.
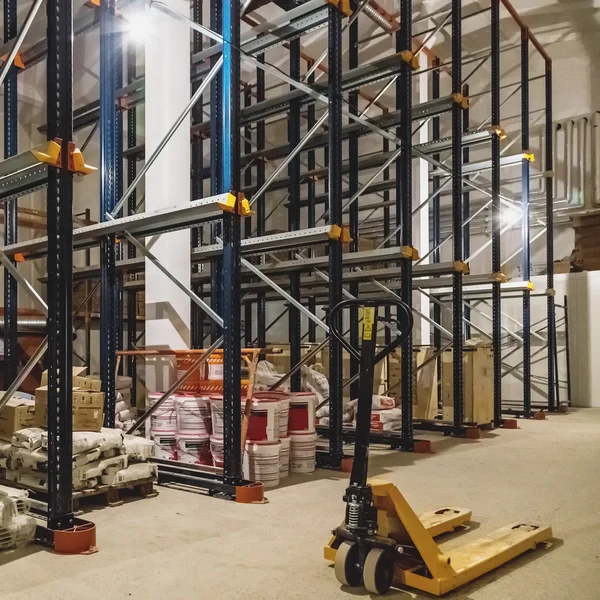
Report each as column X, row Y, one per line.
column 88, row 402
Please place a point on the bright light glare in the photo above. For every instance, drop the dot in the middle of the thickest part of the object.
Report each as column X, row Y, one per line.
column 510, row 215
column 138, row 27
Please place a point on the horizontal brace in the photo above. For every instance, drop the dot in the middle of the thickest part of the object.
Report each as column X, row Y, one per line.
column 140, row 225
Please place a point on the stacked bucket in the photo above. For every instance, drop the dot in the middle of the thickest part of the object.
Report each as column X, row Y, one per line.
column 303, row 436
column 281, row 436
column 181, row 428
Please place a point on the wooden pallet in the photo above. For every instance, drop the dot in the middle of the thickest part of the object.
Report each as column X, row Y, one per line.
column 104, row 495
column 114, row 495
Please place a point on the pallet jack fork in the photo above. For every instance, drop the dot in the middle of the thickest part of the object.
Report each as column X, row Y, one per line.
column 382, row 542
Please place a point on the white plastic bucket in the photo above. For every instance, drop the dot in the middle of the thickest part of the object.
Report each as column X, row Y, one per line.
column 194, row 449
column 165, row 446
column 263, row 423
column 284, row 457
column 164, row 419
column 261, row 462
column 216, row 412
column 303, row 449
column 193, row 414
column 302, row 412
column 216, row 449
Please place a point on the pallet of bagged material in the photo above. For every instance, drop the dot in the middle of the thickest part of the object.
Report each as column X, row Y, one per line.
column 114, row 495
column 104, row 495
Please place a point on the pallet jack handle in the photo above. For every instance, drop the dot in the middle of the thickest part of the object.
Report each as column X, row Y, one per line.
column 368, row 360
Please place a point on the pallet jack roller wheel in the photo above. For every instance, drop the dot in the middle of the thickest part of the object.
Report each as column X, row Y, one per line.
column 378, row 572
column 347, row 569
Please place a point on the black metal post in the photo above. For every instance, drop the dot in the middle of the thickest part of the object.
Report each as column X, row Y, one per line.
column 436, row 229
column 294, row 322
column 230, row 174
column 216, row 172
column 60, row 267
column 457, row 213
column 496, row 255
column 248, row 306
column 197, row 314
column 11, row 227
column 525, row 232
column 466, row 213
column 335, row 218
column 353, row 188
column 404, row 211
column 108, row 200
column 261, row 305
column 567, row 350
column 311, row 193
column 552, row 406
column 131, row 209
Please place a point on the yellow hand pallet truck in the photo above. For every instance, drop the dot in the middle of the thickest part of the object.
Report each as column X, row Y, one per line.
column 382, row 542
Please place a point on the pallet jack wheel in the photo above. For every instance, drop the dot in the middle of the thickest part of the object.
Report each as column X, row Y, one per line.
column 379, row 571
column 347, row 569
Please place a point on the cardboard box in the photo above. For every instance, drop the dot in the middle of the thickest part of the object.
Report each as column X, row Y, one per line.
column 90, row 382
column 18, row 413
column 88, row 409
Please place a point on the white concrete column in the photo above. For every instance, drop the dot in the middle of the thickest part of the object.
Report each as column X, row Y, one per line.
column 168, row 89
column 420, row 194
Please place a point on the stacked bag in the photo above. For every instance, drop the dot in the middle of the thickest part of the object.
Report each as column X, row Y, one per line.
column 125, row 413
column 16, row 527
column 108, row 457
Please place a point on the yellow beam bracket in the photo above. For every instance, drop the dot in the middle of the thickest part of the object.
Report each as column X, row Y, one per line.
column 530, row 156
column 345, row 235
column 409, row 252
column 462, row 267
column 335, row 232
column 411, row 59
column 237, row 204
column 342, row 5
column 51, row 154
column 460, row 99
column 18, row 61
column 499, row 131
column 77, row 162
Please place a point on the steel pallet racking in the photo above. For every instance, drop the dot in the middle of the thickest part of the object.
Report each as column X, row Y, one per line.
column 237, row 266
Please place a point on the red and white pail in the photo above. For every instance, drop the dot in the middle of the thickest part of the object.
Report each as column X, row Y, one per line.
column 263, row 423
column 284, row 457
column 193, row 414
column 303, row 406
column 216, row 412
column 216, row 449
column 303, row 450
column 164, row 419
column 261, row 462
column 194, row 449
column 165, row 445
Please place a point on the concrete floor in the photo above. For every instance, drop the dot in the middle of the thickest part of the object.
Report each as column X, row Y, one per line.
column 185, row 545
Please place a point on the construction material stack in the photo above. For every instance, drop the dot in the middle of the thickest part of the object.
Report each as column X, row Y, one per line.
column 16, row 526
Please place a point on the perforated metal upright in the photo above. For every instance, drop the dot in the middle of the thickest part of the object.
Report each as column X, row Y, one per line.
column 404, row 210
column 525, row 230
column 230, row 180
column 353, row 175
column 335, row 218
column 109, row 159
column 294, row 322
column 457, row 215
column 496, row 256
column 60, row 266
column 549, row 176
column 11, row 228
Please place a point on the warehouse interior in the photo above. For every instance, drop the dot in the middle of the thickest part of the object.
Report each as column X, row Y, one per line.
column 298, row 298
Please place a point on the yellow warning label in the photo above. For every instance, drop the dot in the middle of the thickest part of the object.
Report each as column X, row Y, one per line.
column 368, row 321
